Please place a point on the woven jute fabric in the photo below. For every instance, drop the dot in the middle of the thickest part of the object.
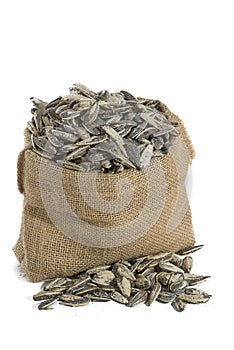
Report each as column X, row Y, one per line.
column 73, row 221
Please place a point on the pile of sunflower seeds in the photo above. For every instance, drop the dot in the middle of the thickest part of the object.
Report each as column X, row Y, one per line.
column 164, row 277
column 103, row 132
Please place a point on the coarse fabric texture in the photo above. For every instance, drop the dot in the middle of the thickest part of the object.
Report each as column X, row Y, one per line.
column 73, row 221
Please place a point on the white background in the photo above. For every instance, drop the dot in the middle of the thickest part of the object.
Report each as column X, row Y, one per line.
column 180, row 52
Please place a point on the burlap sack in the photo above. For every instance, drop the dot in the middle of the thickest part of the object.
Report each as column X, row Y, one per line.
column 74, row 221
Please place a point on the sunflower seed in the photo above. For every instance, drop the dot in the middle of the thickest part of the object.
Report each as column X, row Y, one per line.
column 54, row 283
column 37, row 117
column 54, row 140
column 83, row 90
column 32, row 128
column 164, row 278
column 178, row 305
column 47, row 121
column 150, row 119
column 127, row 95
column 126, row 263
column 138, row 298
column 76, row 303
column 45, row 305
column 163, row 132
column 119, row 298
column 169, row 267
column 82, row 133
column 143, row 265
column 100, row 293
column 123, row 271
column 161, row 257
column 189, row 250
column 97, row 269
column 175, row 260
column 70, row 298
column 79, row 284
column 178, row 287
column 79, row 152
column 113, row 134
column 108, row 288
column 94, row 140
column 68, row 165
column 148, row 271
column 47, row 295
column 90, row 115
column 154, row 293
column 136, row 264
column 39, row 142
column 194, row 279
column 103, row 277
column 153, row 278
column 60, row 108
column 41, row 105
column 69, row 114
column 124, row 285
column 51, row 113
column 64, row 135
column 146, row 157
column 187, row 264
column 194, row 296
column 86, row 289
column 175, row 277
column 97, row 298
column 165, row 296
column 142, row 282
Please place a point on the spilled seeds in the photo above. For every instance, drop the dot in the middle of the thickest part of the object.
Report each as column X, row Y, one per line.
column 163, row 277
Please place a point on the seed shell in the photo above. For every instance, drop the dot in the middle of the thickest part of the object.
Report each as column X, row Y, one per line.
column 124, row 285
column 154, row 293
column 189, row 250
column 194, row 279
column 194, row 296
column 46, row 305
column 187, row 264
column 123, row 271
column 178, row 305
column 47, row 295
column 169, row 267
column 75, row 303
column 138, row 298
column 166, row 296
column 54, row 283
column 103, row 277
column 119, row 298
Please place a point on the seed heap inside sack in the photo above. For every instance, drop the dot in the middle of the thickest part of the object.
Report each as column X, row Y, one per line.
column 103, row 132
column 163, row 277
